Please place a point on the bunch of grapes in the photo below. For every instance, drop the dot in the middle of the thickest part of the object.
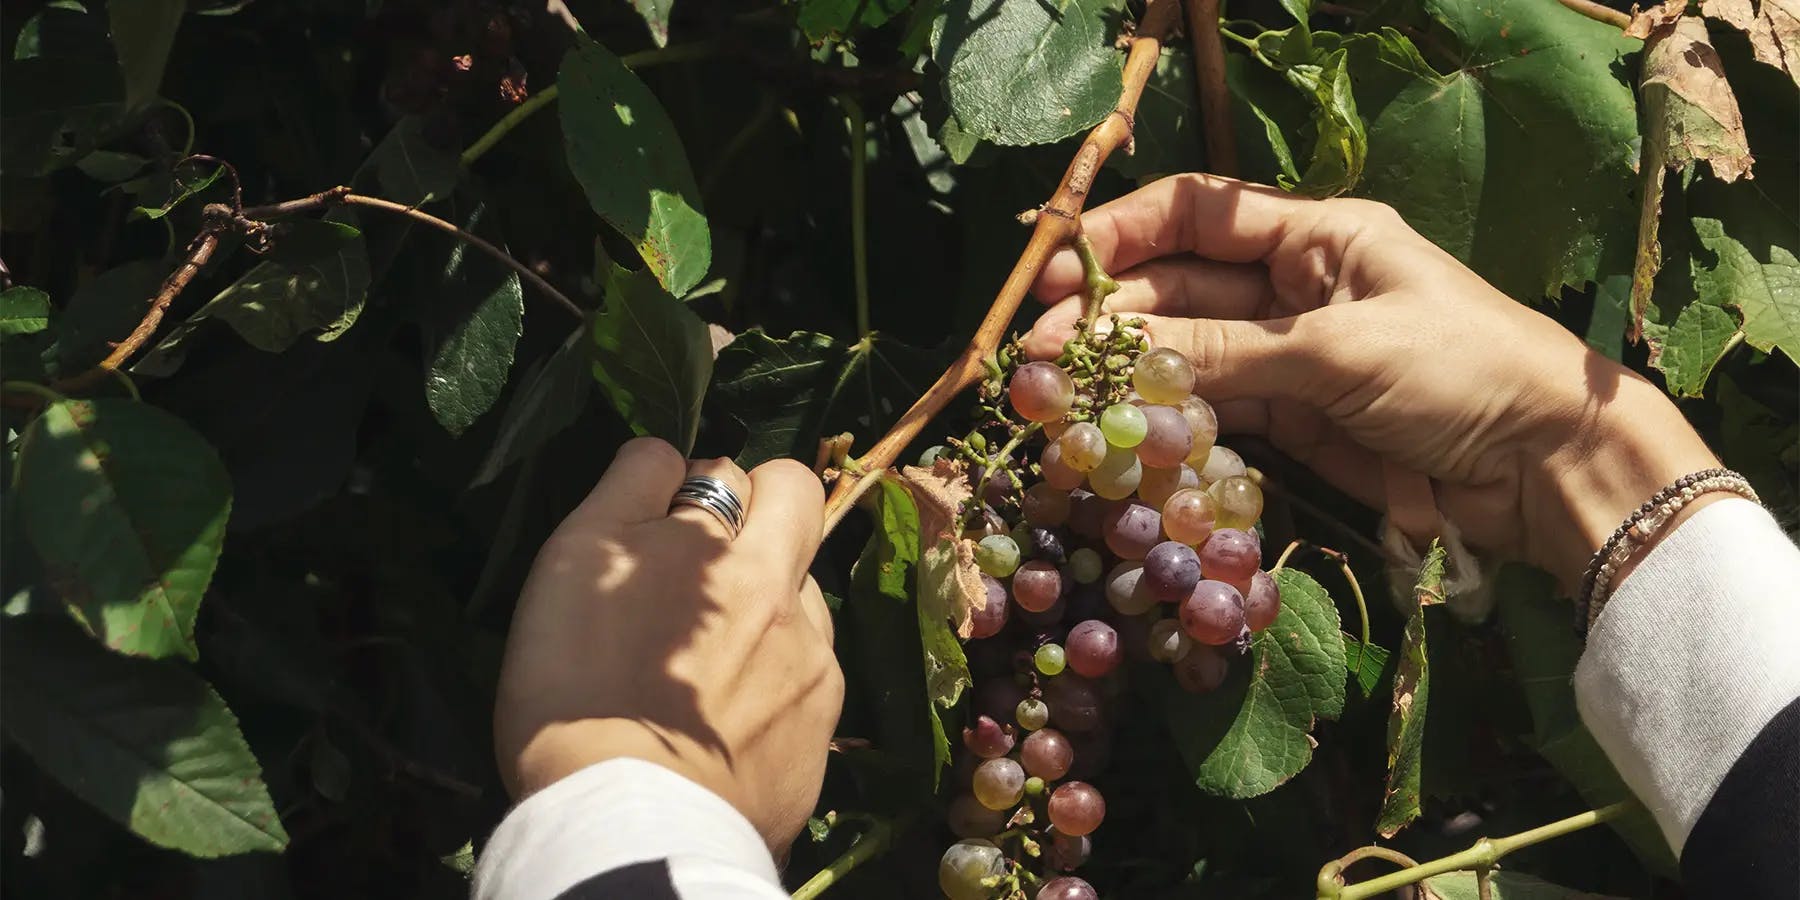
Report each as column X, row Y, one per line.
column 1133, row 536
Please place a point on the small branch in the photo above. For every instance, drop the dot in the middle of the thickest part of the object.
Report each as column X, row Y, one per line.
column 869, row 844
column 1485, row 855
column 1362, row 608
column 859, row 209
column 1209, row 80
column 200, row 252
column 1373, row 852
column 1599, row 13
column 1056, row 225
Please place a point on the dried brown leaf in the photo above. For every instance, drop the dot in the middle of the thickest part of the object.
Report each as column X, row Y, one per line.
column 1773, row 27
column 949, row 582
column 1644, row 21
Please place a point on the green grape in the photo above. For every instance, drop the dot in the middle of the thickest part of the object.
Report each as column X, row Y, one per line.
column 1222, row 462
column 1238, row 500
column 1032, row 714
column 1123, row 425
column 1034, row 786
column 997, row 555
column 1118, row 476
column 1163, row 376
column 1050, row 659
column 1083, row 446
column 966, row 865
column 1085, row 566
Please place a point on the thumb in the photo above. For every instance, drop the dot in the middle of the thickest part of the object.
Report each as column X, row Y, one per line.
column 1263, row 359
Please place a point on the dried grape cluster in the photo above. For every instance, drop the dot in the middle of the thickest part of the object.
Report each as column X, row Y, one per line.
column 1133, row 536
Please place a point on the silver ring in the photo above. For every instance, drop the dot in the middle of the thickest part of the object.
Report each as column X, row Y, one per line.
column 714, row 496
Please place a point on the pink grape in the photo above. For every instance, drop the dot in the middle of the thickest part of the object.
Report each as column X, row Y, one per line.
column 1263, row 602
column 1047, row 754
column 1083, row 446
column 1041, row 391
column 969, row 819
column 1231, row 555
column 1166, row 437
column 1202, row 670
column 1048, row 618
column 1045, row 505
column 1093, row 648
column 1158, row 485
column 1076, row 808
column 987, row 738
column 1203, row 425
column 1131, row 529
column 1171, row 569
column 1189, row 515
column 1124, row 590
column 1037, row 585
column 999, row 783
column 1074, row 703
column 987, row 621
column 1163, row 376
column 1067, row 887
column 1213, row 613
column 1057, row 473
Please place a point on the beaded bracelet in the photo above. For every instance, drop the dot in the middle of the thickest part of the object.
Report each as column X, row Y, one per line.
column 1639, row 528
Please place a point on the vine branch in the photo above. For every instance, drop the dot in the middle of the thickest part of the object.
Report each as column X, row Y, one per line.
column 869, row 845
column 1599, row 13
column 1209, row 81
column 200, row 252
column 1057, row 224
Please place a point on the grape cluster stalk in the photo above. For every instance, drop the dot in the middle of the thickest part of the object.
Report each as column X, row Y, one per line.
column 1124, row 529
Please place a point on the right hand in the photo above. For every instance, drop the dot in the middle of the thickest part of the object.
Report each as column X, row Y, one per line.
column 1348, row 339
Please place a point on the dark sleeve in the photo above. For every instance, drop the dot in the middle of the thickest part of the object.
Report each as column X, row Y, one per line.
column 1747, row 841
column 640, row 881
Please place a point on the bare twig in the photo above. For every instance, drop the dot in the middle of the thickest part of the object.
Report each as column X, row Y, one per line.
column 1599, row 13
column 1209, row 80
column 1056, row 225
column 200, row 251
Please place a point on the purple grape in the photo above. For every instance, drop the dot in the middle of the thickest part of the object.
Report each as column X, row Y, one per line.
column 1086, row 601
column 1093, row 753
column 1231, row 555
column 1087, row 513
column 1213, row 613
column 1170, row 571
column 1066, row 852
column 969, row 819
column 1067, row 887
column 1202, row 670
column 1131, row 529
column 1048, row 618
column 998, row 698
column 987, row 738
column 1093, row 648
column 1074, row 703
column 991, row 617
column 1044, row 505
column 1262, row 603
column 1045, row 543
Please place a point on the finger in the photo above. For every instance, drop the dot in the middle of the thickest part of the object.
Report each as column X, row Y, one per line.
column 1186, row 287
column 727, row 471
column 1289, row 358
column 637, row 487
column 812, row 604
column 1208, row 215
column 787, row 516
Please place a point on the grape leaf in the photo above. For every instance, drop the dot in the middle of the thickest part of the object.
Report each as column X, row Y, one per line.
column 1365, row 663
column 472, row 327
column 61, row 93
column 143, row 31
column 1687, row 351
column 1519, row 158
column 656, row 17
column 410, row 168
column 1028, row 73
column 1766, row 287
column 625, row 152
column 822, row 19
column 1166, row 129
column 1253, row 733
column 1773, row 27
column 1504, row 885
column 546, row 400
column 101, row 313
column 147, row 743
column 1541, row 641
column 24, row 310
column 1412, row 693
column 653, row 358
column 126, row 506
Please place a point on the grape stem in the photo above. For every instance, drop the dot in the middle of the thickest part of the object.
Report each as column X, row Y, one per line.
column 1362, row 607
column 1482, row 857
column 870, row 844
column 1057, row 224
column 1099, row 284
column 999, row 458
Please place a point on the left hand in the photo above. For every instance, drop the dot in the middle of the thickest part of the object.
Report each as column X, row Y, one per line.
column 656, row 635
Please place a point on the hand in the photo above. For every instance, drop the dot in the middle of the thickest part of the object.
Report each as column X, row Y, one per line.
column 1349, row 340
column 655, row 635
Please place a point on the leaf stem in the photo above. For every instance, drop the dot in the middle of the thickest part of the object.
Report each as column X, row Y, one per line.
column 869, row 844
column 859, row 209
column 1057, row 223
column 643, row 59
column 1485, row 854
column 1362, row 607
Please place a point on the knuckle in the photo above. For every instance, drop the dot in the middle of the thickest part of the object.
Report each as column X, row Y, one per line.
column 1371, row 212
column 650, row 452
column 795, row 474
column 1205, row 346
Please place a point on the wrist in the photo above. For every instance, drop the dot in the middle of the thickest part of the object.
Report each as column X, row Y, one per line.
column 561, row 749
column 1594, row 474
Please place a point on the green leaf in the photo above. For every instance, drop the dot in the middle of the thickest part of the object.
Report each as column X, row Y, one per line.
column 24, row 310
column 547, row 399
column 143, row 31
column 656, row 16
column 946, row 667
column 1254, row 732
column 1365, row 663
column 626, row 154
column 111, row 166
column 410, row 169
column 1341, row 147
column 102, row 313
column 126, row 505
column 1687, row 351
column 1412, row 693
column 147, row 743
column 822, row 19
column 1541, row 642
column 62, row 93
column 181, row 191
column 472, row 326
column 1505, row 885
column 1166, row 132
column 1761, row 281
column 1028, row 73
column 653, row 358
column 315, row 280
column 1519, row 159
